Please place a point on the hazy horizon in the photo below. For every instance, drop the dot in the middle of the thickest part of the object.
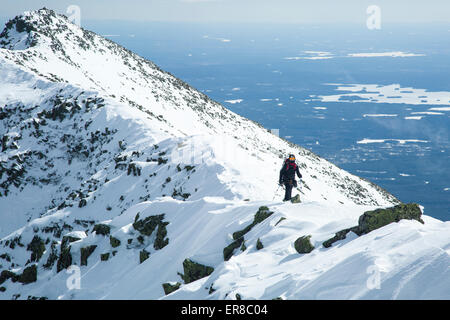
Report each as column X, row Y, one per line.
column 241, row 11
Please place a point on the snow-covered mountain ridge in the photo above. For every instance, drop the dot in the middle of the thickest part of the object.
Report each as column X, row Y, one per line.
column 113, row 165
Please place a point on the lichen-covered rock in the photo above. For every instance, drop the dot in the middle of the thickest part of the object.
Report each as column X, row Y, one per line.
column 296, row 199
column 228, row 250
column 85, row 253
column 147, row 225
column 114, row 242
column 169, row 288
column 303, row 245
column 6, row 274
column 102, row 229
column 378, row 218
column 262, row 214
column 372, row 220
column 259, row 244
column 65, row 259
column 161, row 241
column 37, row 248
column 194, row 271
column 52, row 257
column 104, row 256
column 68, row 239
column 340, row 235
column 29, row 275
column 143, row 255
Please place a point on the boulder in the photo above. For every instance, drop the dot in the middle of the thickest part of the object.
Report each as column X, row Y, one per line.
column 114, row 242
column 259, row 244
column 194, row 271
column 303, row 245
column 296, row 199
column 340, row 235
column 169, row 288
column 65, row 259
column 102, row 229
column 85, row 253
column 372, row 220
column 143, row 255
column 104, row 256
column 29, row 275
column 228, row 250
column 375, row 219
column 37, row 248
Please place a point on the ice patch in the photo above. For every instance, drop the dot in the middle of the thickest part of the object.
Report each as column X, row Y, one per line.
column 234, row 101
column 440, row 109
column 414, row 118
column 401, row 141
column 312, row 55
column 379, row 115
column 393, row 93
column 430, row 113
column 393, row 54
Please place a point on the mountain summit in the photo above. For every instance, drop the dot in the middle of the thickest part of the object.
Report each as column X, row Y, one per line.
column 116, row 167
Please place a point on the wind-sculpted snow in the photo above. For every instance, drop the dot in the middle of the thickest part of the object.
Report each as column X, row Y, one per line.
column 111, row 165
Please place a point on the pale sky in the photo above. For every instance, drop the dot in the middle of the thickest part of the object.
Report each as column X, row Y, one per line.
column 278, row 11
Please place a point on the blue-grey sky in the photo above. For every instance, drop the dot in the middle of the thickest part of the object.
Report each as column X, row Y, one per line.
column 279, row 11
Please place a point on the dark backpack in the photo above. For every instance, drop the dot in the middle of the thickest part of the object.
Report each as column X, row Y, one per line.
column 289, row 169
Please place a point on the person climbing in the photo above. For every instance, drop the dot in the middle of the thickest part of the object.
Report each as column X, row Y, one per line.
column 287, row 176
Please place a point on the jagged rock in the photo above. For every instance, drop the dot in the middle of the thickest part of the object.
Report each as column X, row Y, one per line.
column 281, row 219
column 372, row 220
column 37, row 248
column 53, row 256
column 6, row 274
column 340, row 235
column 68, row 239
column 65, row 259
column 102, row 229
column 228, row 250
column 85, row 253
column 194, row 271
column 104, row 256
column 169, row 288
column 161, row 233
column 114, row 242
column 303, row 245
column 378, row 218
column 259, row 244
column 143, row 255
column 29, row 275
column 262, row 214
column 147, row 225
column 296, row 199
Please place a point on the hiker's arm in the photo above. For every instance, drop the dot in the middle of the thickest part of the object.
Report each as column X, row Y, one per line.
column 298, row 173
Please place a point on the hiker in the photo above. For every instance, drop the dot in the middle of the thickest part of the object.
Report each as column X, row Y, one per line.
column 287, row 176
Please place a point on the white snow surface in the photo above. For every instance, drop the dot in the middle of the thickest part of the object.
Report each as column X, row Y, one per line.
column 98, row 135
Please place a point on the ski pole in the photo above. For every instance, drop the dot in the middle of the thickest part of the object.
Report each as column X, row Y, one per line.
column 279, row 185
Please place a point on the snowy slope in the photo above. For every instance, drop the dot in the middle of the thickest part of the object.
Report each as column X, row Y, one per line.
column 93, row 135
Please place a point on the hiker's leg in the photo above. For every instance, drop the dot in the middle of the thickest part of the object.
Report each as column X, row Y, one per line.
column 288, row 193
